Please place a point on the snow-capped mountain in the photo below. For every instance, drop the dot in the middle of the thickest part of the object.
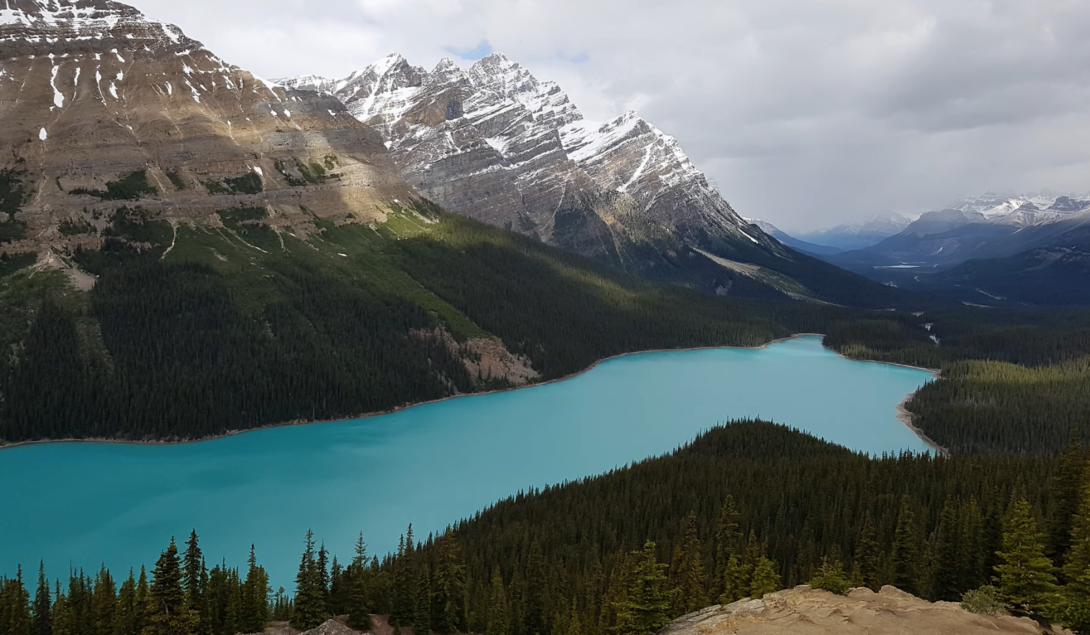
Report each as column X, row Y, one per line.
column 92, row 92
column 495, row 143
column 987, row 226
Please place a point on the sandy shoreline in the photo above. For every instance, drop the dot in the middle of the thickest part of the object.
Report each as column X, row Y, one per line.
column 903, row 415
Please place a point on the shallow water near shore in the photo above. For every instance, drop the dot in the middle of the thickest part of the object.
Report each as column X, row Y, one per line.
column 83, row 504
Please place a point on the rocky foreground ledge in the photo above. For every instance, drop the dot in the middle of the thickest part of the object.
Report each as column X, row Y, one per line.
column 806, row 611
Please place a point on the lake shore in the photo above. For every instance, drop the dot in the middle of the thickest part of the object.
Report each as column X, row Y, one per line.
column 904, row 416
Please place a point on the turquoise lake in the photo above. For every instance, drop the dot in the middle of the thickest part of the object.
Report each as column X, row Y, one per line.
column 82, row 504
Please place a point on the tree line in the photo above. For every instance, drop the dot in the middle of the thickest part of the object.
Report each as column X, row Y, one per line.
column 744, row 510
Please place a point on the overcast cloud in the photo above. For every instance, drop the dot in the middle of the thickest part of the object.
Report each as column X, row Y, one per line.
column 804, row 112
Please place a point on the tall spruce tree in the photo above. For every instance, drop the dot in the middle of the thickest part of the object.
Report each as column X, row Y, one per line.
column 1064, row 499
column 765, row 580
column 689, row 577
column 126, row 622
column 645, row 608
column 498, row 619
column 727, row 538
column 422, row 614
column 103, row 603
column 947, row 579
column 193, row 577
column 358, row 604
column 310, row 600
column 167, row 613
column 905, row 555
column 1075, row 612
column 1024, row 576
column 43, row 605
column 254, row 607
column 450, row 586
column 868, row 555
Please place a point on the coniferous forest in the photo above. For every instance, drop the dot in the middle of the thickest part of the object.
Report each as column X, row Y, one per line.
column 744, row 510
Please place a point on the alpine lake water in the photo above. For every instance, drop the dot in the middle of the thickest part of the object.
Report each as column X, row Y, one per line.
column 83, row 504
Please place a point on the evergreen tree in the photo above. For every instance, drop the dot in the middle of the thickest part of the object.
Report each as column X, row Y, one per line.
column 167, row 613
column 43, row 605
column 358, row 604
column 734, row 581
column 765, row 579
column 905, row 555
column 947, row 579
column 831, row 578
column 727, row 538
column 450, row 586
column 1024, row 577
column 125, row 619
column 194, row 574
column 61, row 617
column 310, row 600
column 1076, row 593
column 690, row 577
column 1064, row 500
column 533, row 599
column 645, row 608
column 498, row 620
column 254, row 605
column 868, row 555
column 103, row 603
column 323, row 573
column 404, row 605
column 15, row 615
column 422, row 614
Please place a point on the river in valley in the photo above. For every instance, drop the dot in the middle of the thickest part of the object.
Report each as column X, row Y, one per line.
column 83, row 504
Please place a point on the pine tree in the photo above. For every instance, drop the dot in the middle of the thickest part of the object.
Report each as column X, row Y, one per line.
column 61, row 616
column 831, row 577
column 1024, row 576
column 310, row 600
column 727, row 538
column 533, row 600
column 193, row 576
column 905, row 555
column 765, row 579
column 868, row 555
column 450, row 586
column 644, row 611
column 1076, row 593
column 103, row 603
column 498, row 620
column 125, row 620
column 323, row 573
column 43, row 605
column 15, row 615
column 254, row 607
column 358, row 605
column 734, row 582
column 1064, row 499
column 140, row 619
column 690, row 577
column 404, row 583
column 422, row 614
column 946, row 584
column 167, row 613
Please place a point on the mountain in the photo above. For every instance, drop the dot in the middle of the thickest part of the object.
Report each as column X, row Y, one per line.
column 858, row 236
column 170, row 219
column 792, row 242
column 494, row 143
column 103, row 107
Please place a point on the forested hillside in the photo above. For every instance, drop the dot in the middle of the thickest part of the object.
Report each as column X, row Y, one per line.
column 249, row 324
column 744, row 510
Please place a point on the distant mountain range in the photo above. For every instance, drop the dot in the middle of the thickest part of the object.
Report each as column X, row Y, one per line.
column 860, row 235
column 1028, row 248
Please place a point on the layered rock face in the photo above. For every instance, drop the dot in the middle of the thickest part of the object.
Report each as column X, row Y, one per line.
column 494, row 143
column 92, row 93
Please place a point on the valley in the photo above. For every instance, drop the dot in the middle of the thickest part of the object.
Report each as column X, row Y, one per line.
column 282, row 313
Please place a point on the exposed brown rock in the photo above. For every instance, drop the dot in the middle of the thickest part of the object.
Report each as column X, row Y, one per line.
column 806, row 611
column 92, row 91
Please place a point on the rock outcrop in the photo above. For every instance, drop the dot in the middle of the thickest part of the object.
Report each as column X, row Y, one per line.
column 93, row 93
column 806, row 611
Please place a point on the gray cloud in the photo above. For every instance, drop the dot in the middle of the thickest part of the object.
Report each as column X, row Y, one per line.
column 805, row 112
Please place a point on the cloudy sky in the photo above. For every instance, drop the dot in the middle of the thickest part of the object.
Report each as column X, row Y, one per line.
column 803, row 112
